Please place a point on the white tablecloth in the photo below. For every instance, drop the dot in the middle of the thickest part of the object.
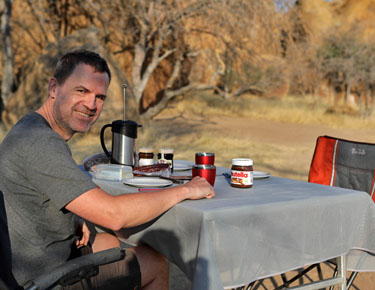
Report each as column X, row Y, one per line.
column 243, row 235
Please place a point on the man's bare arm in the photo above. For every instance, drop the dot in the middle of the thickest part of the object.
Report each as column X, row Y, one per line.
column 128, row 210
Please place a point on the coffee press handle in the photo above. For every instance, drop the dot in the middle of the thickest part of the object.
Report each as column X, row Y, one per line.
column 102, row 139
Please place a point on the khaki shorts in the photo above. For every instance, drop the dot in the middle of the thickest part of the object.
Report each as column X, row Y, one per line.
column 124, row 274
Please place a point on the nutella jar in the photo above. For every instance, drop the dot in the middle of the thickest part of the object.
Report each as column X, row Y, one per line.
column 242, row 173
column 145, row 156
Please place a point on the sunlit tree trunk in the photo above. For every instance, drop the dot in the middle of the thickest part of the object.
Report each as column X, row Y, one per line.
column 6, row 52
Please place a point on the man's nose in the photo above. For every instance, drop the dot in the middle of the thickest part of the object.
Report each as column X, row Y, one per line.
column 90, row 102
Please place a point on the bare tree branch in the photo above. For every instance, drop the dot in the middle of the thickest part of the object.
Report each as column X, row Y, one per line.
column 6, row 53
column 29, row 32
column 39, row 19
column 156, row 109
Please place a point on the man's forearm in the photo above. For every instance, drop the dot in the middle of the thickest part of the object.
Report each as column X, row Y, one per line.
column 139, row 208
column 116, row 212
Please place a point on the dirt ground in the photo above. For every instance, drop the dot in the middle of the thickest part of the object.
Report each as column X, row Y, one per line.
column 283, row 149
column 295, row 143
column 266, row 131
column 363, row 281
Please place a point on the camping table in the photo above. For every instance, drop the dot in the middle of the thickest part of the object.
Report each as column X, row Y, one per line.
column 243, row 235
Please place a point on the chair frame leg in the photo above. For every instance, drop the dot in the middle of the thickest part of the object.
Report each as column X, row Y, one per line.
column 353, row 275
column 290, row 281
column 350, row 280
column 340, row 280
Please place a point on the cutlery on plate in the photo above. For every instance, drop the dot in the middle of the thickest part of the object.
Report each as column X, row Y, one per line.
column 176, row 179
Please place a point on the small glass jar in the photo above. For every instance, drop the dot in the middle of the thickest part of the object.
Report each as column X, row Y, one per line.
column 145, row 156
column 165, row 156
column 242, row 173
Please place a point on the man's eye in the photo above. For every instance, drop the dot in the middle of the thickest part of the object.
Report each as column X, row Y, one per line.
column 101, row 97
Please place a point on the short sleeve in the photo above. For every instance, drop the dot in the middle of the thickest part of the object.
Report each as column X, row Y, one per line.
column 54, row 173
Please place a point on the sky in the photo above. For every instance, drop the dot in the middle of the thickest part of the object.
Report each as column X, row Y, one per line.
column 284, row 5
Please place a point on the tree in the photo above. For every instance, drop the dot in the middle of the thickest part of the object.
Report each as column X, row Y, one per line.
column 165, row 47
column 348, row 63
column 160, row 37
column 7, row 80
column 153, row 35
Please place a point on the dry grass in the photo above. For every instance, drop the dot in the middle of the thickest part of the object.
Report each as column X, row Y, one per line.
column 206, row 122
column 290, row 109
column 192, row 124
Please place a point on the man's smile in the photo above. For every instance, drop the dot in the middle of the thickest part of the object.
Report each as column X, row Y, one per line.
column 85, row 114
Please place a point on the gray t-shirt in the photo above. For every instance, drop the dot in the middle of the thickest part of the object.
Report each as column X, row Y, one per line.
column 38, row 177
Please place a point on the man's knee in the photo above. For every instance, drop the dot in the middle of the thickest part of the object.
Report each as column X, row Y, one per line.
column 104, row 241
column 148, row 255
column 153, row 265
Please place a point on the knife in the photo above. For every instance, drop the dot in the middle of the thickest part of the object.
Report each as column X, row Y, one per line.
column 176, row 179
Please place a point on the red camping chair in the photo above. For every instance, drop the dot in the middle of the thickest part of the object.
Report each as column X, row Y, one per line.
column 344, row 163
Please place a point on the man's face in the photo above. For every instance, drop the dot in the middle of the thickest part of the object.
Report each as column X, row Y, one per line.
column 79, row 100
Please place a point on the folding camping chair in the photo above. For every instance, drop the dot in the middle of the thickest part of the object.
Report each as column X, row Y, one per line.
column 344, row 163
column 73, row 271
column 341, row 163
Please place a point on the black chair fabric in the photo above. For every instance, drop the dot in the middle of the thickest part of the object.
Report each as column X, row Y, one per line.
column 5, row 251
column 68, row 273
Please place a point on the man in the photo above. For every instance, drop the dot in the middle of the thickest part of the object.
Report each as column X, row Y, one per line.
column 44, row 189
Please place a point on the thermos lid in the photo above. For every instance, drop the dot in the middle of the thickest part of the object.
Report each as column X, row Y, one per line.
column 127, row 128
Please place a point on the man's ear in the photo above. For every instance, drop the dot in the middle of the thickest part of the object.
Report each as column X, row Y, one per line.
column 52, row 87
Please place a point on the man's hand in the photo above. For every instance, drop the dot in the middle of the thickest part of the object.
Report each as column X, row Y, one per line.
column 85, row 236
column 199, row 188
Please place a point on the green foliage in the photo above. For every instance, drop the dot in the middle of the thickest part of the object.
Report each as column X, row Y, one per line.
column 339, row 46
column 252, row 74
column 258, row 76
column 347, row 56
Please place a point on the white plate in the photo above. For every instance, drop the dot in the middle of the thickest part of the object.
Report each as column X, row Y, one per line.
column 181, row 165
column 261, row 174
column 147, row 182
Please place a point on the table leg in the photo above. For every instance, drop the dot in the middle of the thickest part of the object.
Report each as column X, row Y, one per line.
column 340, row 280
column 341, row 269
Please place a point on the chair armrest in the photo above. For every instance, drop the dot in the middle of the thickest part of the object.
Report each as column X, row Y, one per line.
column 76, row 269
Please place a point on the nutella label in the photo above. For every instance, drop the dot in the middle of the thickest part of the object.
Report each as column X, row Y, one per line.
column 242, row 177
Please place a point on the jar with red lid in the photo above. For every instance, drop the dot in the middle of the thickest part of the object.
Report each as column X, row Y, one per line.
column 242, row 173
